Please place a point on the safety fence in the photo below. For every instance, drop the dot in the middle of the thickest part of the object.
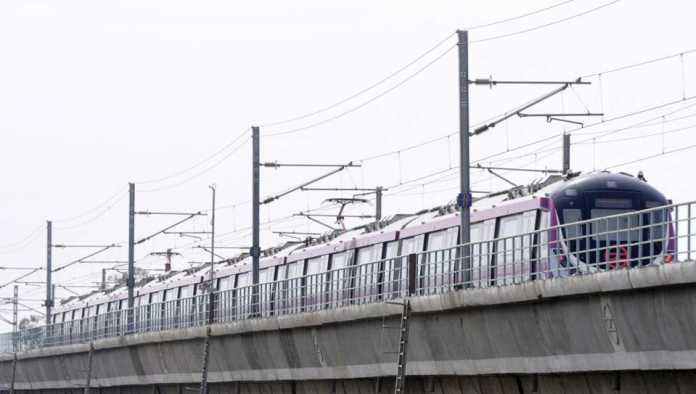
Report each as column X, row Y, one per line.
column 621, row 241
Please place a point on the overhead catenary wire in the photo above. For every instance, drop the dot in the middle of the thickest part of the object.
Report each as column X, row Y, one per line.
column 200, row 173
column 97, row 207
column 426, row 66
column 639, row 64
column 199, row 163
column 366, row 102
column 24, row 241
column 94, row 218
column 668, row 152
column 409, row 64
column 638, row 137
column 545, row 25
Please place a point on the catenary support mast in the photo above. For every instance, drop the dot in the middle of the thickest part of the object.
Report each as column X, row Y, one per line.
column 49, row 270
column 131, row 254
column 465, row 192
column 255, row 247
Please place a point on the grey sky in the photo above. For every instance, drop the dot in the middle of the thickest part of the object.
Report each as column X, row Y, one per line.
column 95, row 94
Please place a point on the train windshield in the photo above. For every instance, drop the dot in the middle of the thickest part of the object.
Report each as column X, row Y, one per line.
column 614, row 229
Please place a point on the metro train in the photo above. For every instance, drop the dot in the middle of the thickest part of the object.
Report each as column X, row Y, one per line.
column 506, row 226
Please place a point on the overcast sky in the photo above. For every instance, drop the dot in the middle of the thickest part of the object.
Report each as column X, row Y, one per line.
column 96, row 94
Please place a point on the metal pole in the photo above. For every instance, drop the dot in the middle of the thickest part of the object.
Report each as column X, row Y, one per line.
column 49, row 270
column 464, row 161
column 88, row 380
column 204, row 368
column 14, row 372
column 15, row 318
column 211, row 288
column 103, row 282
column 15, row 303
column 255, row 248
column 131, row 254
column 566, row 153
column 378, row 203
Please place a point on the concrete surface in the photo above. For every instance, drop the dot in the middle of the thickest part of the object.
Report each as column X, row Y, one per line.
column 549, row 333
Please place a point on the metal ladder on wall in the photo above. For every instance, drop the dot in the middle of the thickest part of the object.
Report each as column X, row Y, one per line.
column 409, row 290
column 400, row 383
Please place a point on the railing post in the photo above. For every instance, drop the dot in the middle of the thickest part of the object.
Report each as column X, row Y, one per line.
column 412, row 266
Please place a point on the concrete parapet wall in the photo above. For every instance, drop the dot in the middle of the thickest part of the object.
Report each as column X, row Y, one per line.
column 626, row 320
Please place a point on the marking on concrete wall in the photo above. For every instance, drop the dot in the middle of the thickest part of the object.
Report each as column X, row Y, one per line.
column 317, row 348
column 610, row 324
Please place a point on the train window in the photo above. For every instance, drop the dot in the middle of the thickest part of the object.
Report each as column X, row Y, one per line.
column 227, row 283
column 317, row 264
column 171, row 294
column 657, row 219
column 156, row 297
column 436, row 240
column 369, row 254
column 510, row 225
column 187, row 291
column 614, row 229
column 342, row 260
column 296, row 269
column 266, row 275
column 367, row 272
column 392, row 249
column 412, row 245
column 443, row 239
column 282, row 272
column 243, row 280
column 572, row 215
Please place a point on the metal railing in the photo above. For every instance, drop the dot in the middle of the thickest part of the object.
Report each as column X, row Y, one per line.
column 624, row 241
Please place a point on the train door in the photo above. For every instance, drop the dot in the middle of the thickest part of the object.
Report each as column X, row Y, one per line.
column 315, row 282
column 188, row 309
column 172, row 308
column 440, row 261
column 482, row 248
column 266, row 277
column 367, row 270
column 392, row 272
column 295, row 283
column 340, row 280
column 243, row 295
column 414, row 245
column 280, row 290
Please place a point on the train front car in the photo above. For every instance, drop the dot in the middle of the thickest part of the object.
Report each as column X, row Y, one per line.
column 599, row 230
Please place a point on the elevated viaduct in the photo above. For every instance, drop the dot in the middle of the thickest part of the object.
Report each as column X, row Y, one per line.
column 625, row 331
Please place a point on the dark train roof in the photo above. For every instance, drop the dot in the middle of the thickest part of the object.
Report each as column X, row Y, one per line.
column 609, row 181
